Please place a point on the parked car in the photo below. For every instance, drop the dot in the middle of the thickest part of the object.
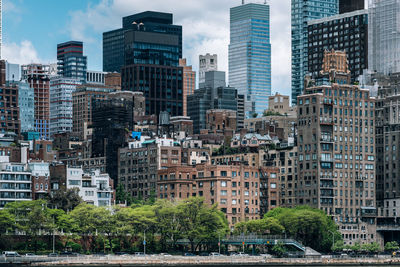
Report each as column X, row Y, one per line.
column 11, row 254
column 121, row 253
column 187, row 254
column 69, row 254
column 215, row 254
column 52, row 255
column 30, row 255
column 139, row 254
column 165, row 254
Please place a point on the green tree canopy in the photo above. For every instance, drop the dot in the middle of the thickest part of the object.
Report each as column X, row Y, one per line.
column 391, row 246
column 7, row 221
column 310, row 226
column 268, row 225
column 66, row 200
column 200, row 223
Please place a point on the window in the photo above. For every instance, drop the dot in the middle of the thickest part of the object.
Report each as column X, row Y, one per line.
column 234, row 201
column 74, row 182
column 273, row 185
column 224, row 192
column 223, row 183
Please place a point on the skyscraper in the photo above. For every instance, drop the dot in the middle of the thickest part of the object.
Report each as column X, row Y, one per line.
column 189, row 82
column 38, row 78
column 1, row 26
column 206, row 63
column 250, row 55
column 345, row 32
column 151, row 62
column 149, row 21
column 71, row 61
column 303, row 11
column 214, row 95
column 336, row 151
column 61, row 90
column 384, row 36
column 346, row 6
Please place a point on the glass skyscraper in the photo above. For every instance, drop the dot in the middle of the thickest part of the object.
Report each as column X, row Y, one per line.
column 384, row 36
column 303, row 11
column 250, row 55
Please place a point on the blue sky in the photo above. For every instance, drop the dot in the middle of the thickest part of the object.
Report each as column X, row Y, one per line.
column 32, row 29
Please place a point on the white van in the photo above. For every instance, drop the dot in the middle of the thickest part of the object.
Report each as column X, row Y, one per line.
column 11, row 254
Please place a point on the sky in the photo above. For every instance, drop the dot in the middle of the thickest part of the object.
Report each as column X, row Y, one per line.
column 32, row 29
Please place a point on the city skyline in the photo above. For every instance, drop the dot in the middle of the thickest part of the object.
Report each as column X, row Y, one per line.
column 76, row 23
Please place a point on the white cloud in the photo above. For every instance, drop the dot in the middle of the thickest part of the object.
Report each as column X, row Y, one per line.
column 205, row 28
column 22, row 53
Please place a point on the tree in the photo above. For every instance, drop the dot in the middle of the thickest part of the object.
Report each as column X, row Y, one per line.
column 200, row 223
column 105, row 223
column 371, row 248
column 31, row 217
column 279, row 249
column 254, row 115
column 391, row 246
column 167, row 222
column 263, row 226
column 7, row 221
column 85, row 222
column 338, row 246
column 310, row 226
column 66, row 200
column 121, row 196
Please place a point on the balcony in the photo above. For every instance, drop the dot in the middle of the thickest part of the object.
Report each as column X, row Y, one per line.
column 326, row 140
column 326, row 121
column 326, row 177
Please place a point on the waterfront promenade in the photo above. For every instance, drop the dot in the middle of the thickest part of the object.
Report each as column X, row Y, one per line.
column 111, row 260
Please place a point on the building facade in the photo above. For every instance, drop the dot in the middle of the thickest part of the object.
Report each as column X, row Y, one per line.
column 336, row 152
column 207, row 63
column 95, row 77
column 234, row 187
column 346, row 6
column 40, row 173
column 38, row 78
column 16, row 182
column 303, row 11
column 71, row 61
column 189, row 82
column 82, row 108
column 26, row 104
column 153, row 47
column 346, row 32
column 149, row 21
column 215, row 95
column 61, row 112
column 10, row 110
column 383, row 36
column 250, row 55
column 112, row 119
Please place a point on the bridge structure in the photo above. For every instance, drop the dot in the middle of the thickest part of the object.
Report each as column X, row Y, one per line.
column 244, row 240
column 263, row 240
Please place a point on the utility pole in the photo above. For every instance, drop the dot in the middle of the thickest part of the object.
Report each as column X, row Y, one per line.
column 219, row 243
column 144, row 242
